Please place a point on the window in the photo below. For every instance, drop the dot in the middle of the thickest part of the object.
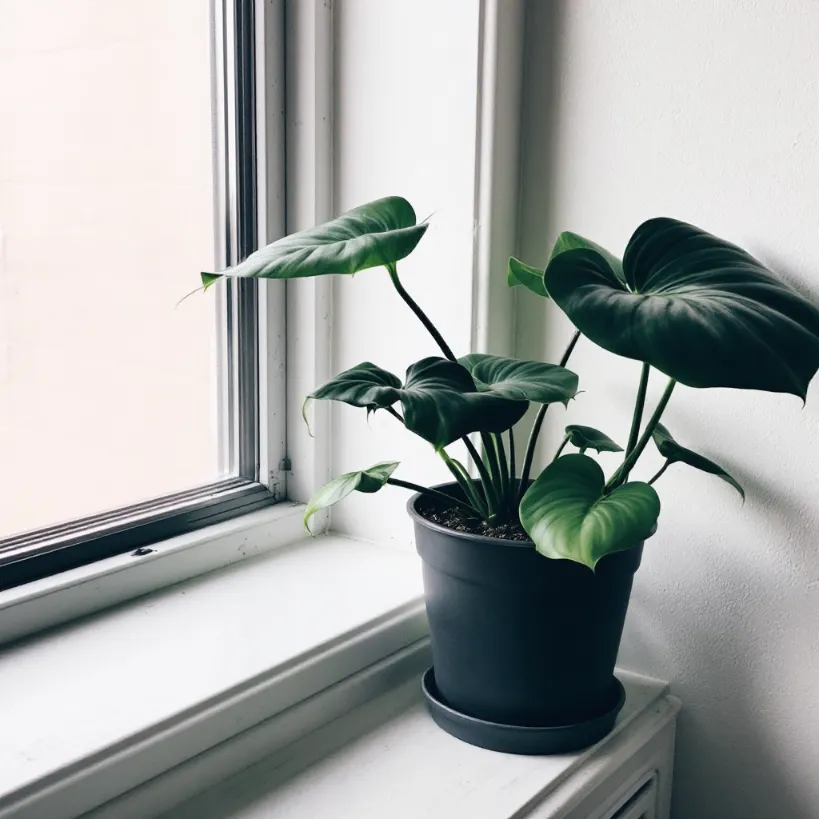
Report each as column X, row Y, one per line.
column 129, row 159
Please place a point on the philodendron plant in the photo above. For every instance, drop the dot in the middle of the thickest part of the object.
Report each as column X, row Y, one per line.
column 686, row 304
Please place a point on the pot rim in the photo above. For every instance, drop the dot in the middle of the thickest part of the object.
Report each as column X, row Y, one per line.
column 485, row 539
column 445, row 530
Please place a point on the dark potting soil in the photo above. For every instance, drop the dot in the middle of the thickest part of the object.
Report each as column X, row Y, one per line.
column 459, row 520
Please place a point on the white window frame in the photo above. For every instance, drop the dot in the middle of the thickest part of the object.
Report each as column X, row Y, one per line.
column 248, row 86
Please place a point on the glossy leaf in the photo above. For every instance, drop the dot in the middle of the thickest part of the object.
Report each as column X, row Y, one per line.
column 442, row 404
column 674, row 453
column 364, row 385
column 522, row 380
column 519, row 274
column 379, row 233
column 696, row 307
column 567, row 515
column 439, row 399
column 366, row 480
column 591, row 438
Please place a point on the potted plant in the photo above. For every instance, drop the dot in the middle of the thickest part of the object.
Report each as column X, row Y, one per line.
column 527, row 577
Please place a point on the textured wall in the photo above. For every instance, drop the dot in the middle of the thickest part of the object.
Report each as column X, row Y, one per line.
column 709, row 112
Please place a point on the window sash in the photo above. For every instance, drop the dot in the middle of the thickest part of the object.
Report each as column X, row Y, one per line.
column 33, row 555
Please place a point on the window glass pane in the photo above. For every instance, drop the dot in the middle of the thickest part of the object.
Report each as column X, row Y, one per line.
column 107, row 388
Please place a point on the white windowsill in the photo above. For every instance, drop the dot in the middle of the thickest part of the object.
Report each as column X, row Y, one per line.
column 389, row 759
column 39, row 605
column 100, row 706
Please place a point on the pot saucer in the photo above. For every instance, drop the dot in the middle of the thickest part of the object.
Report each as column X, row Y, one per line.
column 522, row 739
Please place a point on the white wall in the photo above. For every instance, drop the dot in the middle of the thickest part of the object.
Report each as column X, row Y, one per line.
column 706, row 110
column 406, row 79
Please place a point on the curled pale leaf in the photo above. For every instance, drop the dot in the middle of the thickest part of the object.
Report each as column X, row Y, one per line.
column 365, row 480
column 520, row 274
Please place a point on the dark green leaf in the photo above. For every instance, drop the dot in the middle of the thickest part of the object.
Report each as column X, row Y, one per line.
column 695, row 307
column 366, row 480
column 567, row 515
column 522, row 380
column 439, row 399
column 364, row 385
column 379, row 233
column 591, row 438
column 442, row 404
column 675, row 453
column 520, row 274
column 574, row 241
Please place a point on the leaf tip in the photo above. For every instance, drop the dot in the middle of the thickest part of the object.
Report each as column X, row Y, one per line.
column 306, row 521
column 304, row 415
column 188, row 295
column 208, row 279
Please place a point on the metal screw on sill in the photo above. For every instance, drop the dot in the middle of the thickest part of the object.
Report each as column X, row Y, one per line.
column 142, row 551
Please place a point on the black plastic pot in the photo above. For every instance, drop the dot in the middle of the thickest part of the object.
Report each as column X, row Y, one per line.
column 519, row 639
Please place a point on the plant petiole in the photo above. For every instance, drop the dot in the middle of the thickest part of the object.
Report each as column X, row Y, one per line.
column 639, row 406
column 392, row 269
column 660, row 472
column 621, row 475
column 441, row 496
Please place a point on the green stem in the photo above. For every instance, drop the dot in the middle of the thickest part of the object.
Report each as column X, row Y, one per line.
column 468, row 486
column 530, row 450
column 425, row 490
column 569, row 349
column 422, row 316
column 536, row 426
column 512, row 466
column 561, row 447
column 490, row 456
column 506, row 486
column 639, row 406
column 621, row 475
column 466, row 483
column 489, row 488
column 660, row 471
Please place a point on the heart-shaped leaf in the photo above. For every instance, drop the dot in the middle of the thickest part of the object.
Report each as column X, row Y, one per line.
column 379, row 233
column 591, row 438
column 696, row 307
column 439, row 399
column 520, row 274
column 366, row 480
column 674, row 453
column 567, row 515
column 522, row 380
